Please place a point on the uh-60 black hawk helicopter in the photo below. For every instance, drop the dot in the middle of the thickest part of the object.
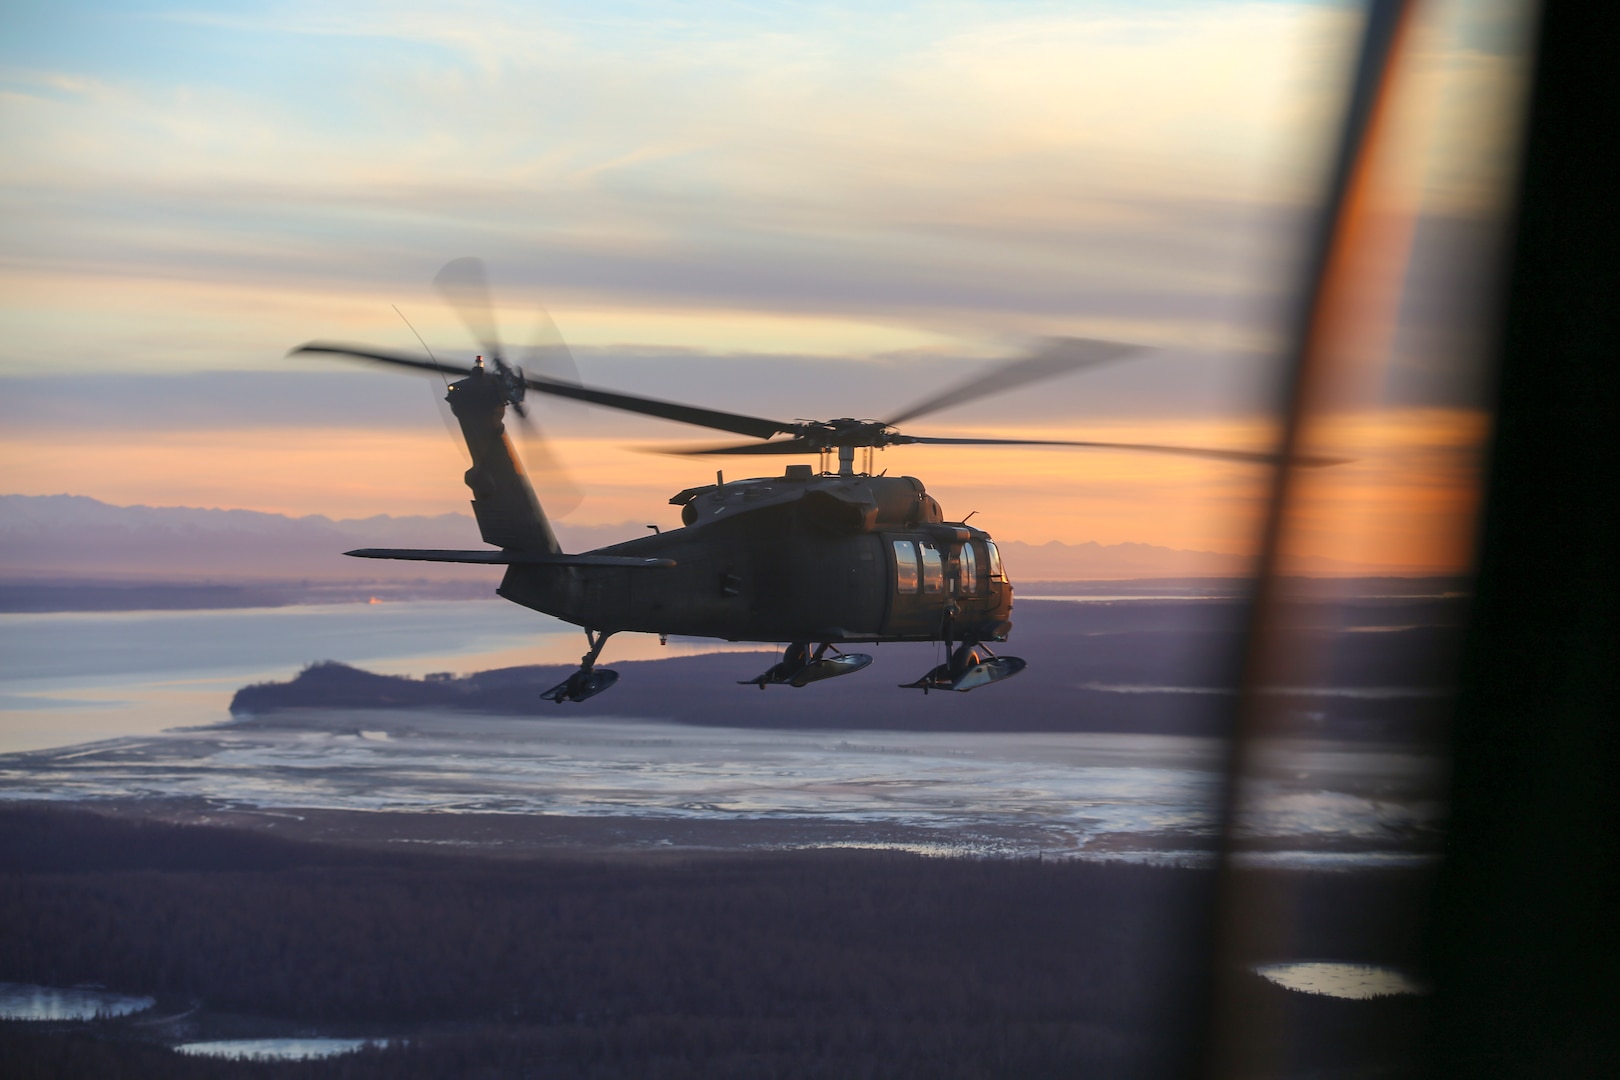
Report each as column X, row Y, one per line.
column 812, row 557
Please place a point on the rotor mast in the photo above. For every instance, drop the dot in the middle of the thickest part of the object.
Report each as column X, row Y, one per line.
column 846, row 436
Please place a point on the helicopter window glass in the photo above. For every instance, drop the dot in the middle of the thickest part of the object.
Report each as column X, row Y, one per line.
column 933, row 568
column 968, row 571
column 996, row 572
column 905, row 566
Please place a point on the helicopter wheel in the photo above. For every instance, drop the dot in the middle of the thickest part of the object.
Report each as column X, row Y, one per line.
column 969, row 655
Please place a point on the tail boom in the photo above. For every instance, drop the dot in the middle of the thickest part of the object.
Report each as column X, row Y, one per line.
column 509, row 515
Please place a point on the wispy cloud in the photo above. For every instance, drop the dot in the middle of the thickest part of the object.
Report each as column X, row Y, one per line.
column 936, row 150
column 959, row 170
column 813, row 189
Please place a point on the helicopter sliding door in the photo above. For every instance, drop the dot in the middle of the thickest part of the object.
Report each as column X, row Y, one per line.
column 928, row 577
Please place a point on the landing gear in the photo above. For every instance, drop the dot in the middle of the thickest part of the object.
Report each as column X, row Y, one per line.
column 799, row 667
column 971, row 665
column 967, row 656
column 587, row 682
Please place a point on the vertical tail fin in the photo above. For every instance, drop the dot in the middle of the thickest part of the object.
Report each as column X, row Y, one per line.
column 509, row 515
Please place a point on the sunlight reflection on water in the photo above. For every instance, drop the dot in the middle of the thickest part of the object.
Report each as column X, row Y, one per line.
column 71, row 677
column 24, row 1001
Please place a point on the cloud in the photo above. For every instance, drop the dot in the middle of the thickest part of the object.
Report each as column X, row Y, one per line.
column 811, row 211
column 863, row 181
column 734, row 166
column 333, row 393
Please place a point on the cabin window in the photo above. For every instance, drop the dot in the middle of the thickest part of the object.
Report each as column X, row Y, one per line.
column 933, row 568
column 905, row 566
column 967, row 570
column 996, row 571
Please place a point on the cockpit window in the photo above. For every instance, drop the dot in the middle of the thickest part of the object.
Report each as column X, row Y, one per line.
column 933, row 567
column 996, row 572
column 967, row 570
column 905, row 566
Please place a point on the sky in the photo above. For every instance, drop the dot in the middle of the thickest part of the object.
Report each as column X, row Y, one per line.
column 787, row 210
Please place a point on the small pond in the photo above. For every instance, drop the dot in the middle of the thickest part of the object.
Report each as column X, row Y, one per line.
column 276, row 1049
column 25, row 1001
column 1358, row 981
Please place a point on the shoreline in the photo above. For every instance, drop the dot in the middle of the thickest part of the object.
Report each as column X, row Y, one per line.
column 56, row 593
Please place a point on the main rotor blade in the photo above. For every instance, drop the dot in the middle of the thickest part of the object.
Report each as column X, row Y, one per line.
column 465, row 288
column 783, row 446
column 1248, row 457
column 381, row 356
column 1060, row 356
column 758, row 427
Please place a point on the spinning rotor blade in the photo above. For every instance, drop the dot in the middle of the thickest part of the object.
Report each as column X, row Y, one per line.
column 756, row 426
column 553, row 485
column 1059, row 357
column 381, row 356
column 465, row 288
column 548, row 356
column 782, row 446
column 558, row 492
column 1249, row 457
column 806, row 446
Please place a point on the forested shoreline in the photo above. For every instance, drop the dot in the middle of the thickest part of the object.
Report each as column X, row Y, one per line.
column 829, row 963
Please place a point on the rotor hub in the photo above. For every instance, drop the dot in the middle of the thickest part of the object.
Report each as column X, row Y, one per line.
column 821, row 436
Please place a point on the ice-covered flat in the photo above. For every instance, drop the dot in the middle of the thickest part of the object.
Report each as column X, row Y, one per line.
column 1093, row 795
column 150, row 689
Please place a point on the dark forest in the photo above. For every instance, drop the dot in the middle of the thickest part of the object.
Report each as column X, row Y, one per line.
column 803, row 964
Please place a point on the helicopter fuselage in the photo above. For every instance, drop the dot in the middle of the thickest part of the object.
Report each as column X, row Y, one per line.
column 804, row 558
column 798, row 557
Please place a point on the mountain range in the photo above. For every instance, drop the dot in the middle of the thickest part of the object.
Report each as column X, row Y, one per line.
column 74, row 537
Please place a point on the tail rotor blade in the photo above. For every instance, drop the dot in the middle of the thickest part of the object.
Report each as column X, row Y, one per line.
column 548, row 356
column 553, row 486
column 465, row 287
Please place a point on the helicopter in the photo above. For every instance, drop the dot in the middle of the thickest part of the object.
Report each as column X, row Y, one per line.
column 816, row 557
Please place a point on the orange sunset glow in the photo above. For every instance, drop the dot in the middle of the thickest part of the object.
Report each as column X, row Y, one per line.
column 1410, row 478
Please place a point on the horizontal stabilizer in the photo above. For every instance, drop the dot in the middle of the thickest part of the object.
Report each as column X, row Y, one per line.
column 505, row 558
